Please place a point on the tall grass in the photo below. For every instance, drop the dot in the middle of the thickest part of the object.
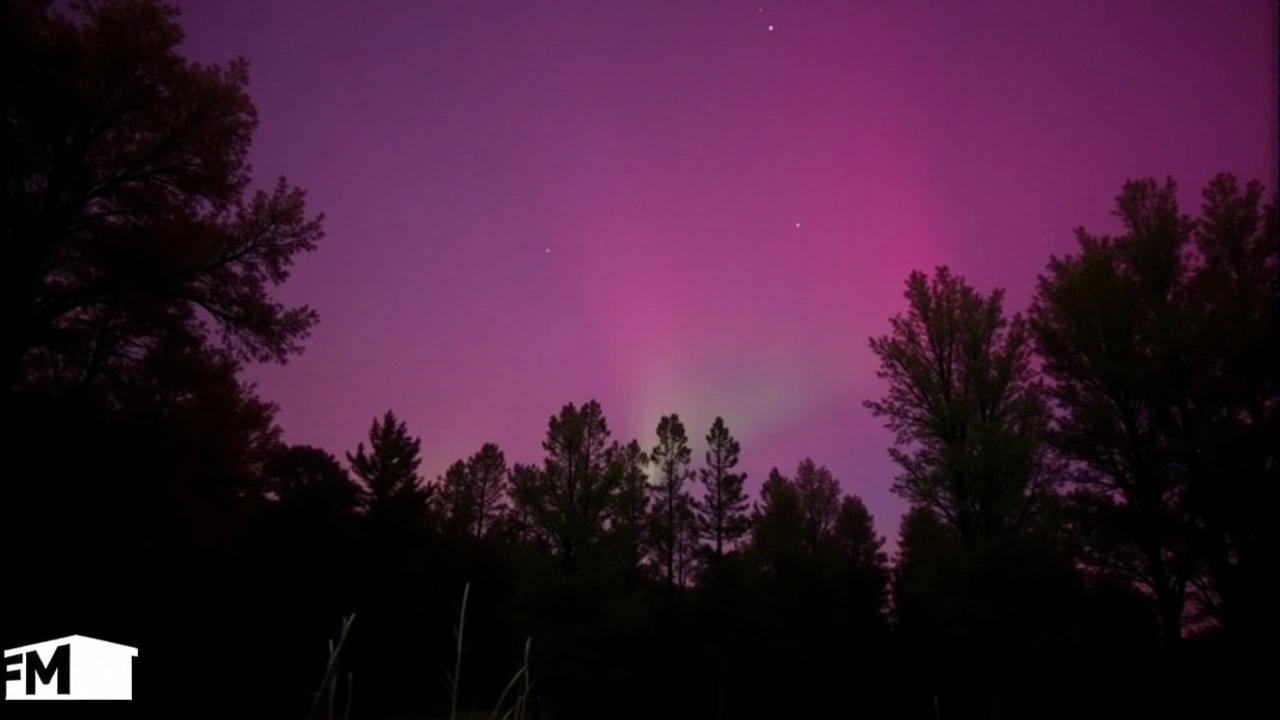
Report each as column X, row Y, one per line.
column 520, row 682
column 330, row 681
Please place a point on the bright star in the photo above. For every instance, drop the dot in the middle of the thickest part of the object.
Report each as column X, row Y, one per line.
column 770, row 28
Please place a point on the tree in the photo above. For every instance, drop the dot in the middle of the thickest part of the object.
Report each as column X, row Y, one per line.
column 776, row 520
column 523, row 488
column 131, row 220
column 819, row 496
column 722, row 512
column 487, row 470
column 455, row 499
column 471, row 493
column 1167, row 409
column 864, row 567
column 393, row 491
column 308, row 478
column 963, row 398
column 566, row 500
column 1233, row 461
column 721, row 519
column 688, row 555
column 930, row 606
column 668, row 506
column 629, row 514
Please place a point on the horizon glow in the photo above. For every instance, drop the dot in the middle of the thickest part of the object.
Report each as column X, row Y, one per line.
column 701, row 208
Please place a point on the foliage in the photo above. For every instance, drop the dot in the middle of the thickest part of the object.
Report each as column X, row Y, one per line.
column 964, row 400
column 132, row 222
column 567, row 499
column 722, row 512
column 1166, row 409
column 393, row 491
column 670, row 506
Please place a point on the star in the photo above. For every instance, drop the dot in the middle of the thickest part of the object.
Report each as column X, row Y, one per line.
column 770, row 28
column 546, row 251
column 797, row 225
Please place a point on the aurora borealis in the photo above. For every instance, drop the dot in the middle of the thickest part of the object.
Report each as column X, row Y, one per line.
column 668, row 207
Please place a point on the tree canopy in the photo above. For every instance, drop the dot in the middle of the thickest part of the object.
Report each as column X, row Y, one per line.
column 133, row 218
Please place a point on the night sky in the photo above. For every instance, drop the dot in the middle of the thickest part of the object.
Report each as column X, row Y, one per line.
column 699, row 207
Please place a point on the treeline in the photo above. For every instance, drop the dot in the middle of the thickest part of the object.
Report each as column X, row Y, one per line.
column 1092, row 482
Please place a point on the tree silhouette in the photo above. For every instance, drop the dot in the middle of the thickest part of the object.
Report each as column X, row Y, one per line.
column 629, row 515
column 1164, row 407
column 130, row 216
column 775, row 518
column 963, row 397
column 455, row 499
column 524, row 489
column 471, row 494
column 688, row 547
column 669, row 503
column 927, row 597
column 722, row 519
column 819, row 496
column 302, row 476
column 393, row 491
column 723, row 510
column 487, row 470
column 567, row 499
column 863, row 564
column 1234, row 463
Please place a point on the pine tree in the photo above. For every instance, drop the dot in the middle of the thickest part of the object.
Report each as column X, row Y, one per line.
column 667, row 511
column 819, row 496
column 455, row 499
column 487, row 471
column 393, row 491
column 722, row 511
column 863, row 564
column 629, row 515
column 776, row 525
column 567, row 499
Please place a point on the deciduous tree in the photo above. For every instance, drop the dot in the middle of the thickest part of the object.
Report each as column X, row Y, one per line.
column 968, row 416
column 1167, row 409
column 130, row 210
column 308, row 478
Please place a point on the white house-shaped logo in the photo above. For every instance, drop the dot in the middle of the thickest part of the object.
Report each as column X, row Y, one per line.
column 70, row 668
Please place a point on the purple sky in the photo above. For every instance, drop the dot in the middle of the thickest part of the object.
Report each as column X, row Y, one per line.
column 700, row 207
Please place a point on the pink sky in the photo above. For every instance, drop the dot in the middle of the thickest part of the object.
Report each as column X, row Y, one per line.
column 669, row 207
